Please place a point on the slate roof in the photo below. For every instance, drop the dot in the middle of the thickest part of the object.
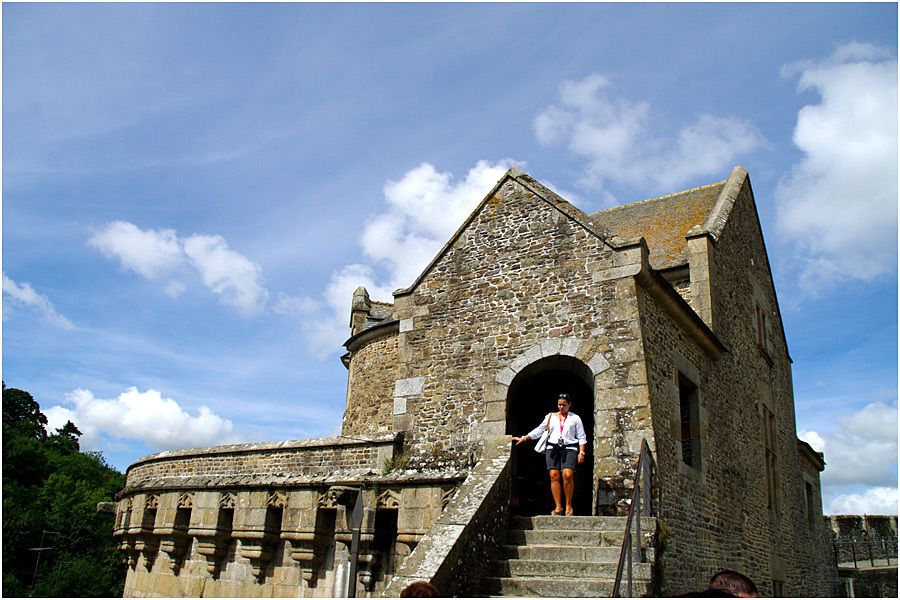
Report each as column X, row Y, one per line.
column 662, row 221
column 379, row 312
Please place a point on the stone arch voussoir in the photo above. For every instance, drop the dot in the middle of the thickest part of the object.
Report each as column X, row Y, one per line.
column 547, row 348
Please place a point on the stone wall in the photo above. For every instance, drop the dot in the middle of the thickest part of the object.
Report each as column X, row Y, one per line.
column 523, row 281
column 718, row 516
column 694, row 526
column 464, row 541
column 265, row 463
column 238, row 535
column 372, row 376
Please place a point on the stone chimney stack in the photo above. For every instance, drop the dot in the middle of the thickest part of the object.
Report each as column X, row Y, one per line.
column 359, row 310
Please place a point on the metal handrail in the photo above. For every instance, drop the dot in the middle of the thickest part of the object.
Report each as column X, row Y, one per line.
column 886, row 549
column 641, row 505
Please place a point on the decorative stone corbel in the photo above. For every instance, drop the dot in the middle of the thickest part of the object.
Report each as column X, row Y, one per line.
column 146, row 543
column 121, row 532
column 303, row 550
column 175, row 540
column 259, row 546
column 212, row 542
column 368, row 560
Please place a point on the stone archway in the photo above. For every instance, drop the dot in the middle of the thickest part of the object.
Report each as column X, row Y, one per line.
column 578, row 360
column 532, row 394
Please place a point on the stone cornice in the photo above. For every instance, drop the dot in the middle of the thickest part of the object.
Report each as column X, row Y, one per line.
column 365, row 336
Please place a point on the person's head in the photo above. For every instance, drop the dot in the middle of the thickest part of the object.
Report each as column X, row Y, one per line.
column 420, row 589
column 736, row 583
column 563, row 402
column 708, row 593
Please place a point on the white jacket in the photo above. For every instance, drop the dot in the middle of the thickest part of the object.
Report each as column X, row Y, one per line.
column 572, row 430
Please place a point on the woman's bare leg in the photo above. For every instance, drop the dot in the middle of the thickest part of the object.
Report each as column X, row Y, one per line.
column 556, row 490
column 569, row 485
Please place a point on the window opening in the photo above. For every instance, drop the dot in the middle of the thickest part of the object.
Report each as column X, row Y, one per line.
column 688, row 401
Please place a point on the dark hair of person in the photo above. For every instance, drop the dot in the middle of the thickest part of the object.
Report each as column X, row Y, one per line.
column 708, row 593
column 733, row 582
column 420, row 589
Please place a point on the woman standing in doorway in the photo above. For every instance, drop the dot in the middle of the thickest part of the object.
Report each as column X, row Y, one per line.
column 565, row 447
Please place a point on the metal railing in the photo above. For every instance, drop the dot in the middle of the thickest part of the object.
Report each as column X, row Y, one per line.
column 641, row 505
column 866, row 552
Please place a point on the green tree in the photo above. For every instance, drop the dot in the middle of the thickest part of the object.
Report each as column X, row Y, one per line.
column 21, row 412
column 50, row 486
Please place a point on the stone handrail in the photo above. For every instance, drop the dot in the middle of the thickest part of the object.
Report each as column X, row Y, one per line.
column 455, row 552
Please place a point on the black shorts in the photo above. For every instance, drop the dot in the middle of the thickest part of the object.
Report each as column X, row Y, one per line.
column 561, row 457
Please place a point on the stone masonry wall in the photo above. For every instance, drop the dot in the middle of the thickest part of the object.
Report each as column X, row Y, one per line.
column 373, row 371
column 521, row 273
column 743, row 276
column 693, row 524
column 264, row 463
column 743, row 533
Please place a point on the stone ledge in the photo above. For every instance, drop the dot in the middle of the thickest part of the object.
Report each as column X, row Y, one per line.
column 309, row 444
column 346, row 477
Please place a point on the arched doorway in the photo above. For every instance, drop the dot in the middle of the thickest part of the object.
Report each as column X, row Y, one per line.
column 532, row 394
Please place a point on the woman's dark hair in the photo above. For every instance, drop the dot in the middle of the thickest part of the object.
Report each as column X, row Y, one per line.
column 564, row 396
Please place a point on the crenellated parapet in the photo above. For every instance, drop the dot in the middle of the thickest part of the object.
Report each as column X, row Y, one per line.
column 273, row 519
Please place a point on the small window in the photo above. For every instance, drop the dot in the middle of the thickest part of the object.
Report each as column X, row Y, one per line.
column 771, row 457
column 762, row 327
column 688, row 404
column 810, row 507
column 777, row 588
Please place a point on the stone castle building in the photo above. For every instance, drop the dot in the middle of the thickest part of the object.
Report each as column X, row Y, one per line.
column 660, row 318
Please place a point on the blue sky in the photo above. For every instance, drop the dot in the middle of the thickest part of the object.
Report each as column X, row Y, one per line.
column 192, row 191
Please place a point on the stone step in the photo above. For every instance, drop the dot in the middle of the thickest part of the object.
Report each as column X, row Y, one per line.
column 562, row 569
column 582, row 587
column 602, row 554
column 564, row 538
column 576, row 523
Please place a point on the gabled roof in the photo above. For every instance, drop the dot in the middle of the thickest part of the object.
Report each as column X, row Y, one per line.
column 663, row 221
column 542, row 194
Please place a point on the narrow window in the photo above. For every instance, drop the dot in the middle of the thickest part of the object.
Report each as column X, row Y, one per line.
column 810, row 507
column 762, row 325
column 771, row 457
column 690, row 421
column 777, row 588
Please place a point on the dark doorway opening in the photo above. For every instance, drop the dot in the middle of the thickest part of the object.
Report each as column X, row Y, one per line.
column 532, row 395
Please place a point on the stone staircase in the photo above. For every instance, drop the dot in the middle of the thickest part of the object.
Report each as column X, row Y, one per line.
column 566, row 557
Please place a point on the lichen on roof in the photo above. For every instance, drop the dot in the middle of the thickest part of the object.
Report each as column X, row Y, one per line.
column 662, row 221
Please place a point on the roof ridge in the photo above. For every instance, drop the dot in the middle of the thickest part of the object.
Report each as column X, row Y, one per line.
column 694, row 189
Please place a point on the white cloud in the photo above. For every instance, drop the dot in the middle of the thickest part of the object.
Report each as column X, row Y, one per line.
column 330, row 328
column 234, row 278
column 151, row 253
column 158, row 253
column 838, row 205
column 26, row 295
column 621, row 143
column 423, row 210
column 813, row 439
column 873, row 501
column 146, row 416
column 860, row 453
column 295, row 306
